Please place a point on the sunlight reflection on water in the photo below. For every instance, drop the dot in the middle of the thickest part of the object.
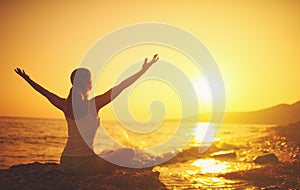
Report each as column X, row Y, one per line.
column 204, row 173
column 205, row 133
column 211, row 166
column 224, row 156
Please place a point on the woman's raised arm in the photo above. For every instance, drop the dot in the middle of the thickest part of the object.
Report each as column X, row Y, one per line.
column 111, row 94
column 54, row 99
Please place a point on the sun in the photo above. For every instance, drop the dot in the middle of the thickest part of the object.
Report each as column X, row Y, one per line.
column 203, row 91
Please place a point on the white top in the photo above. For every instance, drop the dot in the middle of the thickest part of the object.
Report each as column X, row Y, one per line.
column 81, row 133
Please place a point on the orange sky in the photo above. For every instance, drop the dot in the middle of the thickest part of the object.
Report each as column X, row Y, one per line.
column 255, row 43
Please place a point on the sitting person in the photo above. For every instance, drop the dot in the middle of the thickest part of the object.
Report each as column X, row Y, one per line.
column 78, row 156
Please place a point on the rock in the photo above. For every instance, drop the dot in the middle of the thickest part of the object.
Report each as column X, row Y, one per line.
column 49, row 177
column 266, row 158
column 230, row 154
column 296, row 156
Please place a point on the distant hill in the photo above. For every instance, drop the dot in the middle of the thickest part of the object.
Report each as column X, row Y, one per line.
column 280, row 114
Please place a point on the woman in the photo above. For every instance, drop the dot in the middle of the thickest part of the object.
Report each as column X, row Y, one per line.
column 77, row 156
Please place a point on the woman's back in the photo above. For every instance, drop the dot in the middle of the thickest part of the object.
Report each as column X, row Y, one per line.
column 81, row 133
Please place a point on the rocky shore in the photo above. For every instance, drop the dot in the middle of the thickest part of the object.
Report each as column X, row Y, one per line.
column 48, row 176
column 274, row 173
column 274, row 176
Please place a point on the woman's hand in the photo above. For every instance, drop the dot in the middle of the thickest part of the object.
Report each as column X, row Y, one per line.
column 22, row 73
column 53, row 98
column 147, row 65
column 111, row 94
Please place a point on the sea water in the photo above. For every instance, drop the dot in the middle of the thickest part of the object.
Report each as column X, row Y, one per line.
column 233, row 148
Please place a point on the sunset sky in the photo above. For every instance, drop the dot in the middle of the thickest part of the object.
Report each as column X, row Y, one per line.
column 256, row 45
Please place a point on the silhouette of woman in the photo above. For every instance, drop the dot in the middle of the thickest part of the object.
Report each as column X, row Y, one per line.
column 77, row 157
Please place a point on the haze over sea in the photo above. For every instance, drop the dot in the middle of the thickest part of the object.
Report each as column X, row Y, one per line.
column 26, row 140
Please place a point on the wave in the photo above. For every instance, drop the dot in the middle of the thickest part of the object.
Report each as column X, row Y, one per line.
column 217, row 150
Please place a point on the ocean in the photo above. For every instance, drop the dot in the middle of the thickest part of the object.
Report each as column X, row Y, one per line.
column 27, row 140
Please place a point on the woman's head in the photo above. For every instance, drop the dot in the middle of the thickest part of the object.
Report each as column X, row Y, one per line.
column 81, row 80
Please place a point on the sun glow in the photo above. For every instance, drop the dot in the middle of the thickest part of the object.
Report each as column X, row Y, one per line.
column 203, row 92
